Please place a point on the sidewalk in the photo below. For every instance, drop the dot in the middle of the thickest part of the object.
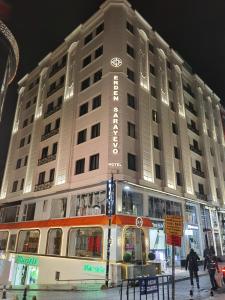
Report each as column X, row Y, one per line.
column 182, row 274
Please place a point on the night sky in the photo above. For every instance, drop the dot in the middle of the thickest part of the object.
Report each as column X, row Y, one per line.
column 194, row 28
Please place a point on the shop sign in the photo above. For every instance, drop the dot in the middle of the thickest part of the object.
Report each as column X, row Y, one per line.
column 29, row 261
column 148, row 285
column 158, row 225
column 139, row 222
column 94, row 269
column 174, row 225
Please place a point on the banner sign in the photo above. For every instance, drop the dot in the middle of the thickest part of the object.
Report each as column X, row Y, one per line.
column 148, row 285
column 174, row 225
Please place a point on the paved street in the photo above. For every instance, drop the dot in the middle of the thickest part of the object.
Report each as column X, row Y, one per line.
column 182, row 293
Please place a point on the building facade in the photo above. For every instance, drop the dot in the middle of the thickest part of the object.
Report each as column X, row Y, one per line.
column 113, row 82
column 9, row 61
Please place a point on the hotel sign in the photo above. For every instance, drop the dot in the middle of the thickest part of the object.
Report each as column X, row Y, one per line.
column 115, row 115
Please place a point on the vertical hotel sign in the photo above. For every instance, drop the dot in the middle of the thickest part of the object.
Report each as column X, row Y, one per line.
column 116, row 63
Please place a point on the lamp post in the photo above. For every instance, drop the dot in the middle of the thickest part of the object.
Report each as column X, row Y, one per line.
column 110, row 210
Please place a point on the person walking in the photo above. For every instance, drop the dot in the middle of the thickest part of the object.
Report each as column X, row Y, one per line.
column 212, row 266
column 192, row 265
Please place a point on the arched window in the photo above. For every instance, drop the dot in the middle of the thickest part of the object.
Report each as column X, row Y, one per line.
column 28, row 241
column 54, row 241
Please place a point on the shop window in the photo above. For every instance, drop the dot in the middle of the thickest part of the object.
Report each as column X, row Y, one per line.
column 158, row 208
column 3, row 240
column 12, row 242
column 132, row 203
column 58, row 208
column 88, row 204
column 54, row 241
column 28, row 212
column 28, row 241
column 134, row 244
column 191, row 214
column 85, row 242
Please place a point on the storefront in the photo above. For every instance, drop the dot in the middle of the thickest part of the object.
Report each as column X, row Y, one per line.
column 25, row 270
column 221, row 216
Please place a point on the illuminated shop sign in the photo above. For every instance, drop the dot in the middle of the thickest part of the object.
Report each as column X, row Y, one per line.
column 94, row 269
column 115, row 117
column 29, row 261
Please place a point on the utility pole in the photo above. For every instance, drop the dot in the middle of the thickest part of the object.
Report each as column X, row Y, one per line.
column 110, row 210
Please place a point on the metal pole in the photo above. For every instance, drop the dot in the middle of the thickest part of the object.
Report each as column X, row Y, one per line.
column 108, row 252
column 173, row 272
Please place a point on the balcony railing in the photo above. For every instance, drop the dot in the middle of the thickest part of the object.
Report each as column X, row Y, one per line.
column 55, row 89
column 47, row 159
column 196, row 150
column 195, row 130
column 43, row 186
column 51, row 112
column 57, row 69
column 191, row 109
column 198, row 172
column 49, row 134
column 201, row 196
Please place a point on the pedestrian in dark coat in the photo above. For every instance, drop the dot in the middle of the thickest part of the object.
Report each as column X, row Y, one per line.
column 212, row 265
column 192, row 265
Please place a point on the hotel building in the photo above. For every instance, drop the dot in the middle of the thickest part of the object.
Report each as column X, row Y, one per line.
column 113, row 99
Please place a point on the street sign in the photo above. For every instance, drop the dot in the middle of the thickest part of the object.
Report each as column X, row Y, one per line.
column 174, row 225
column 139, row 222
column 173, row 240
column 148, row 285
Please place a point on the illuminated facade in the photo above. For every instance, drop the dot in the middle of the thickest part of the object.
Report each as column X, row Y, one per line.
column 9, row 61
column 110, row 100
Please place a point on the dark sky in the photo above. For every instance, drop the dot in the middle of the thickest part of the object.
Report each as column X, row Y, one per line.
column 194, row 28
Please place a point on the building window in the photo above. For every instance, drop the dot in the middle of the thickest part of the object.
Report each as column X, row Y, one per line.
column 25, row 160
column 201, row 189
column 88, row 38
column 218, row 194
column 98, row 52
column 14, row 187
column 198, row 165
column 195, row 144
column 86, row 61
column 151, row 47
column 178, row 177
column 52, row 175
column 96, row 102
column 25, row 123
column 97, row 76
column 168, row 64
column 41, row 178
column 155, row 116
column 172, row 107
column 131, row 101
column 28, row 104
column 22, row 184
column 131, row 130
column 158, row 171
column 152, row 70
column 80, row 165
column 44, row 152
column 28, row 241
column 174, row 128
column 57, row 123
column 94, row 162
column 12, row 242
column 85, row 242
column 170, row 85
column 85, row 84
column 58, row 208
column 18, row 163
column 153, row 92
column 32, row 119
column 54, row 241
column 22, row 142
column 47, row 128
column 130, row 27
column 3, row 240
column 214, row 172
column 131, row 158
column 95, row 130
column 28, row 139
column 83, row 109
column 28, row 212
column 130, row 51
column 54, row 148
column 132, row 203
column 156, row 142
column 130, row 74
column 176, row 153
column 82, row 136
column 99, row 29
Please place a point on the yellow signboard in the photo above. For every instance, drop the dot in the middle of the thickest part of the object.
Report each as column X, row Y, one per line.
column 174, row 225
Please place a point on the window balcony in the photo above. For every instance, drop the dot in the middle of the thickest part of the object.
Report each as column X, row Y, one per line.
column 51, row 112
column 191, row 109
column 201, row 196
column 55, row 89
column 196, row 150
column 49, row 134
column 43, row 186
column 47, row 159
column 195, row 130
column 198, row 172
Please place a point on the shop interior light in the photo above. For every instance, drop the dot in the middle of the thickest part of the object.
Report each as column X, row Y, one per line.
column 126, row 188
